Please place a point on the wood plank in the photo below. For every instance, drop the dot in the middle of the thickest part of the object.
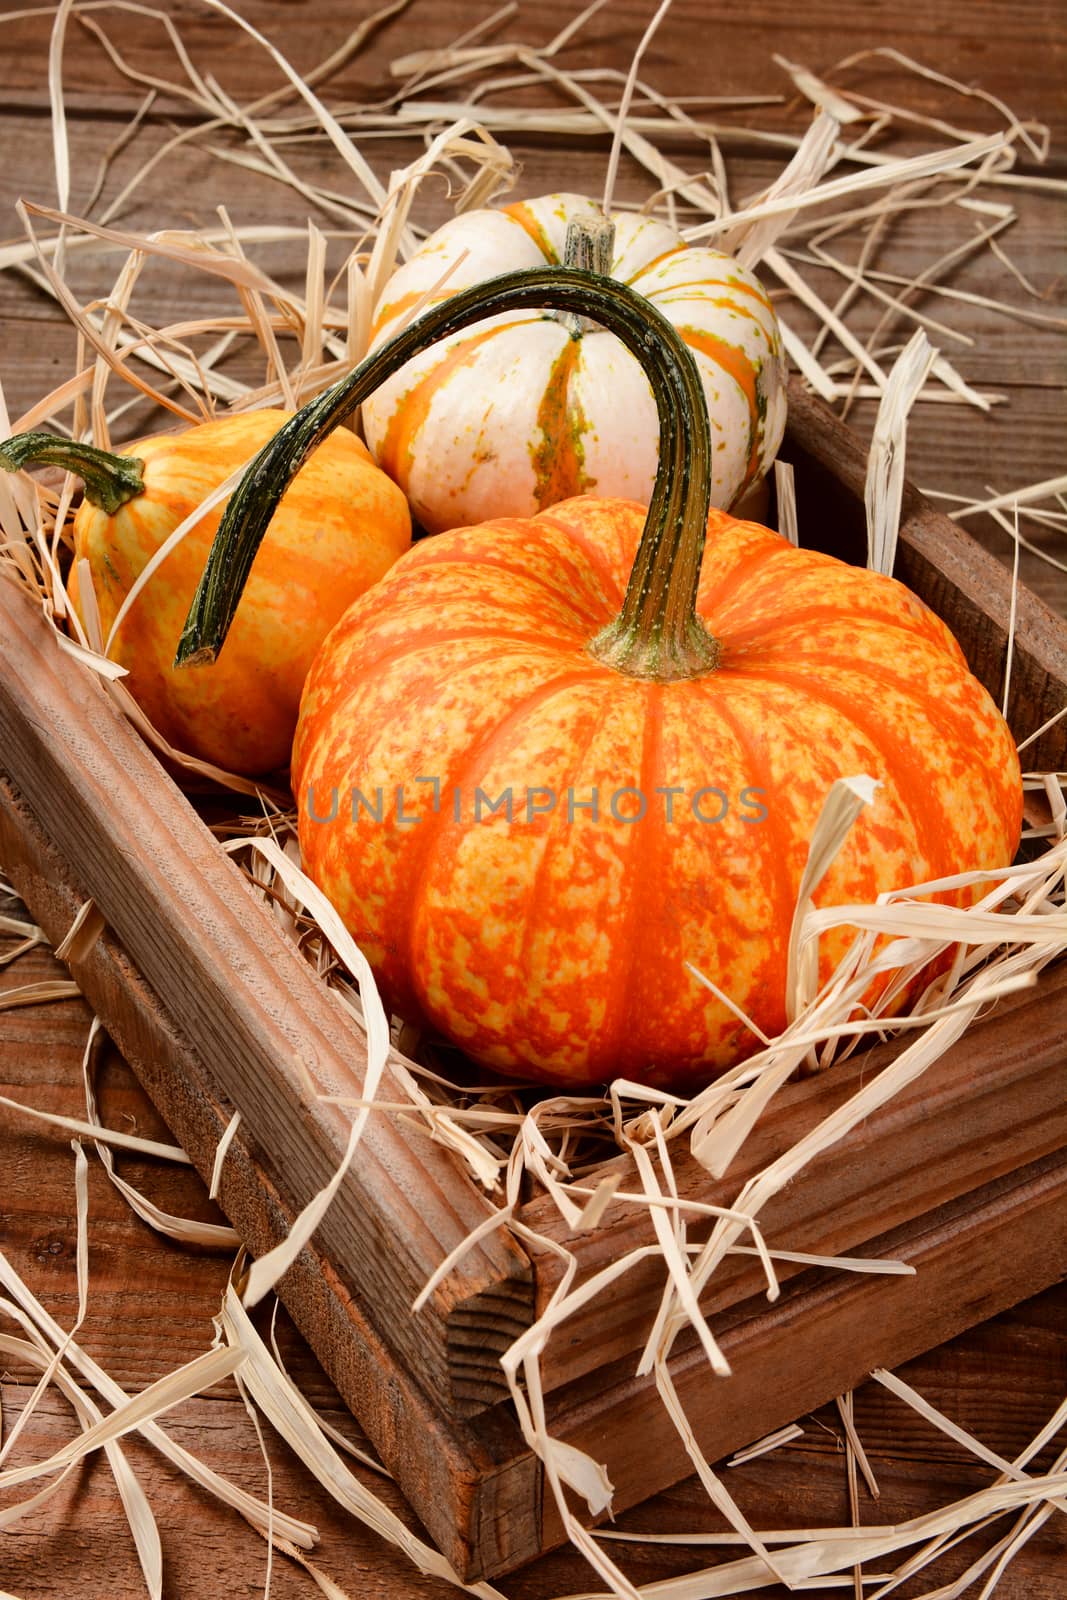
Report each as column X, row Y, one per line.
column 248, row 1003
column 148, row 1282
column 1022, row 61
column 1012, row 458
column 79, row 1543
column 992, row 1103
column 477, row 1491
column 973, row 1257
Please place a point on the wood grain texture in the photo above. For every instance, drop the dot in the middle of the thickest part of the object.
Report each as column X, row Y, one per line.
column 1024, row 59
column 971, row 1257
column 1000, row 1381
column 150, row 1307
column 253, row 1009
column 993, row 1103
column 80, row 1544
column 478, row 1491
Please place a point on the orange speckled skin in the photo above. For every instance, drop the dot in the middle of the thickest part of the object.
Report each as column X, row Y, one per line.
column 341, row 525
column 555, row 946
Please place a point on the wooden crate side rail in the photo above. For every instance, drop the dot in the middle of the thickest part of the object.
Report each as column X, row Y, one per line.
column 994, row 1102
column 948, row 569
column 253, row 1008
column 972, row 1259
column 474, row 1484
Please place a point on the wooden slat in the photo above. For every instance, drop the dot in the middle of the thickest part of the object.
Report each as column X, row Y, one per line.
column 998, row 1382
column 972, row 1258
column 994, row 1102
column 477, row 1491
column 1017, row 63
column 251, row 1007
column 150, row 1307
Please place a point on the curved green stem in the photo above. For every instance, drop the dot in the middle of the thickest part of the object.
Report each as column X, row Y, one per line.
column 657, row 634
column 109, row 480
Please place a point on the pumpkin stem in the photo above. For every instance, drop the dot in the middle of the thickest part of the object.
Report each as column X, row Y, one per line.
column 109, row 480
column 589, row 247
column 657, row 634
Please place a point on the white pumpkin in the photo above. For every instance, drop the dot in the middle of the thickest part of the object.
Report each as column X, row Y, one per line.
column 526, row 409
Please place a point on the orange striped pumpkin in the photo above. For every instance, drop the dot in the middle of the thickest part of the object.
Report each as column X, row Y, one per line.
column 527, row 409
column 554, row 944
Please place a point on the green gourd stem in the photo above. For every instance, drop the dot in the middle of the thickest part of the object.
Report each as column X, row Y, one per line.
column 588, row 247
column 109, row 480
column 657, row 634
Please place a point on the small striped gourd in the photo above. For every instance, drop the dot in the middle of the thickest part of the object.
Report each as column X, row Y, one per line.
column 529, row 408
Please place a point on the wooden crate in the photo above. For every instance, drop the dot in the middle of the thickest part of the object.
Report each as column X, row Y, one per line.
column 964, row 1176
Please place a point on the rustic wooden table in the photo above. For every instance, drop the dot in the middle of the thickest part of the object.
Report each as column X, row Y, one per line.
column 151, row 1302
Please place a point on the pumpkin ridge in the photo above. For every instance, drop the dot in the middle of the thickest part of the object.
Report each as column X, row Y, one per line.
column 431, row 640
column 559, row 460
column 593, row 557
column 413, row 408
column 521, row 213
column 908, row 774
column 474, row 754
column 621, row 987
column 650, row 265
column 711, row 609
column 911, row 629
column 736, row 364
column 734, row 284
column 932, row 707
column 675, row 293
column 785, row 891
column 513, row 569
column 386, row 312
column 482, row 749
column 542, row 876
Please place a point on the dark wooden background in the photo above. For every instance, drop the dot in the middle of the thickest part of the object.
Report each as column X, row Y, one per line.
column 151, row 1302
